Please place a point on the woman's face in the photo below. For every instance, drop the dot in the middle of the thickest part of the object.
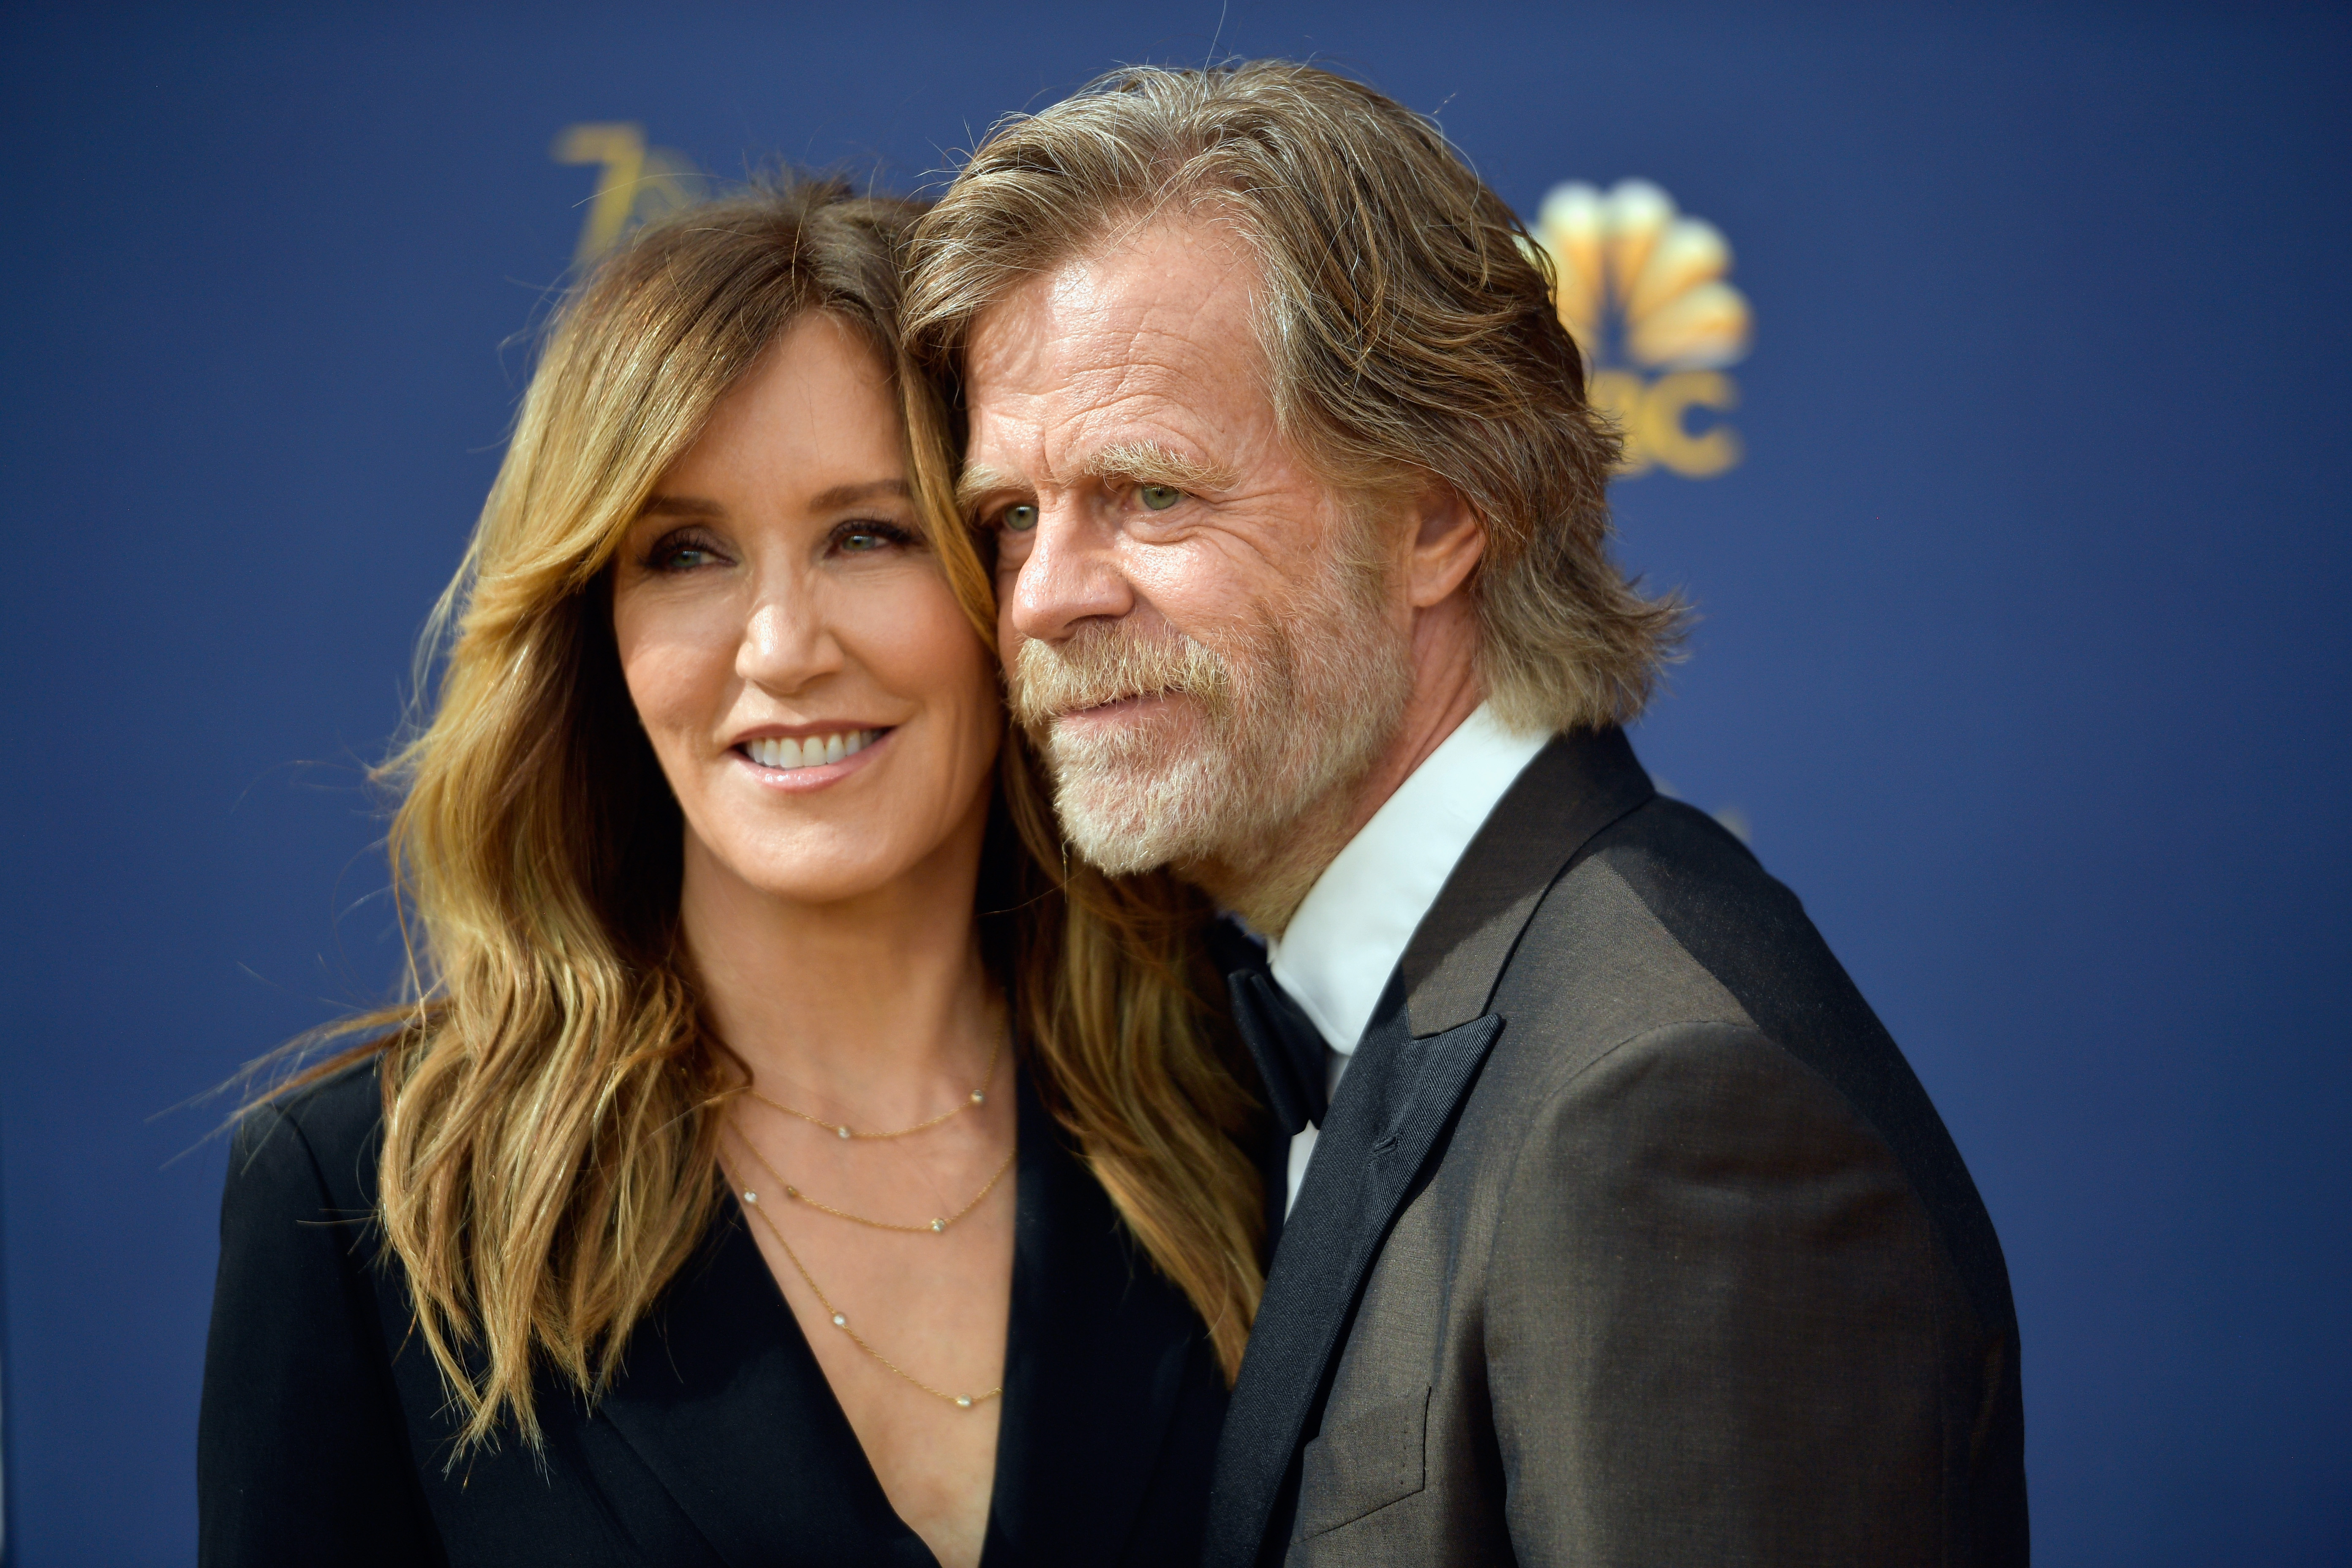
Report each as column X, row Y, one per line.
column 822, row 708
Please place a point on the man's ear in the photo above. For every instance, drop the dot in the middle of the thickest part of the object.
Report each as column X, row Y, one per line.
column 1447, row 544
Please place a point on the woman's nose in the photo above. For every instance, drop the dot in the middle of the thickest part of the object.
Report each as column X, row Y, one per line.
column 786, row 642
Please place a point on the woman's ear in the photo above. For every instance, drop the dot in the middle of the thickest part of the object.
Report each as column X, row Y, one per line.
column 1449, row 539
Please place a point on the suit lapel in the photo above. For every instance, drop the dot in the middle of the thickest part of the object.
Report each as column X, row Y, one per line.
column 1398, row 1096
column 1417, row 1061
column 724, row 1403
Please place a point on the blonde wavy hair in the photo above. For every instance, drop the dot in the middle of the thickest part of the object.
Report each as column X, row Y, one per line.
column 1405, row 318
column 552, row 1103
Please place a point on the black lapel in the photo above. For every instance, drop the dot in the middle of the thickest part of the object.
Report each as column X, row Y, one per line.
column 1399, row 1094
column 1092, row 1366
column 724, row 1403
column 1415, row 1064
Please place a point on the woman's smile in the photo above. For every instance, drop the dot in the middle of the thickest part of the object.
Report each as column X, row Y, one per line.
column 815, row 759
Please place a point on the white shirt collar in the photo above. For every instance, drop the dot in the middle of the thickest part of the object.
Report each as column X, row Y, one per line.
column 1336, row 958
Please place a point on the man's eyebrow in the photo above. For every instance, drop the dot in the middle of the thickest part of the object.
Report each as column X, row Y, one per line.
column 979, row 482
column 1136, row 462
column 1149, row 463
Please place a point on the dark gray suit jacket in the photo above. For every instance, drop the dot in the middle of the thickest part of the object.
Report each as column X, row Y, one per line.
column 1630, row 1239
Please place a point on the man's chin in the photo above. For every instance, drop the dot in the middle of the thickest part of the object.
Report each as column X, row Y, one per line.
column 1132, row 816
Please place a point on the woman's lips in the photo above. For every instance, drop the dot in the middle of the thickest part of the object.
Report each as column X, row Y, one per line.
column 808, row 751
column 811, row 762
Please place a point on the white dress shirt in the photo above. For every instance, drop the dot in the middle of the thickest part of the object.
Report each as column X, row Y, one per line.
column 1346, row 939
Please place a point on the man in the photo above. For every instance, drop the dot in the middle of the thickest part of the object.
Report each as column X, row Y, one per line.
column 1618, row 1230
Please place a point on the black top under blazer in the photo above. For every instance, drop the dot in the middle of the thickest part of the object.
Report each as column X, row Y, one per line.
column 326, row 1433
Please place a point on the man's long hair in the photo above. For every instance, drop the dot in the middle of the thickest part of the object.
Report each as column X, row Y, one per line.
column 1406, row 319
column 551, row 1100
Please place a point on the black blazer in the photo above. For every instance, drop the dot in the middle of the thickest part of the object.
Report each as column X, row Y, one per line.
column 325, row 1435
column 1629, row 1238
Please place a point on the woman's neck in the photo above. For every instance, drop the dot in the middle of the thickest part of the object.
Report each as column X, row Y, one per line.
column 876, row 1008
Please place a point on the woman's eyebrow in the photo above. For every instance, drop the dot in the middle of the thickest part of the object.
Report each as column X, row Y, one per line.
column 850, row 495
column 680, row 506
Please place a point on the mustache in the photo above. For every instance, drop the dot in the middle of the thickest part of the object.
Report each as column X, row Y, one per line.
column 1103, row 663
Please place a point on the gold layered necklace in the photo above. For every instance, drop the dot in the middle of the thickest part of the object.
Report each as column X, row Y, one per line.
column 939, row 1226
column 979, row 1096
column 928, row 1228
column 841, row 1320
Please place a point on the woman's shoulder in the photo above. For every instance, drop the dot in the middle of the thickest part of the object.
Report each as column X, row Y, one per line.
column 321, row 1137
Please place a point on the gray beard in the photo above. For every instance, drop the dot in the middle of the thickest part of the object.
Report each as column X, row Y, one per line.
column 1284, row 714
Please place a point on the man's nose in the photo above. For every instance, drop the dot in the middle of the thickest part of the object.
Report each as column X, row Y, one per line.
column 787, row 642
column 1071, row 574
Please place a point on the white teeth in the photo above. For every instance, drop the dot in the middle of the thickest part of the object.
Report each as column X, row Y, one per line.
column 783, row 752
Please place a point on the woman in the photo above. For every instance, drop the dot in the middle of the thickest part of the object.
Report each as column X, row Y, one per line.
column 785, row 1160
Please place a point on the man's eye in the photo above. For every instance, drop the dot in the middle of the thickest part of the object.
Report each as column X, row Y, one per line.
column 1158, row 498
column 1019, row 518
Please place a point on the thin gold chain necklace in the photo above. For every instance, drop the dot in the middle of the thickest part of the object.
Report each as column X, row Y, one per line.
column 979, row 1096
column 928, row 1228
column 840, row 1318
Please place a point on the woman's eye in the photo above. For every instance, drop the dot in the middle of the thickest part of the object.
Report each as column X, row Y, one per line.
column 1019, row 518
column 674, row 555
column 1158, row 497
column 868, row 537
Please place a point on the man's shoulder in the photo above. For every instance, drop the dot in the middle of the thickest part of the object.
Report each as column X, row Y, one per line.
column 1664, row 925
column 1632, row 935
column 1696, row 874
column 1687, row 927
column 1667, row 891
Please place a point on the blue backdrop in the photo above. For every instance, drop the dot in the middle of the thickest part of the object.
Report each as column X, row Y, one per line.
column 2024, row 656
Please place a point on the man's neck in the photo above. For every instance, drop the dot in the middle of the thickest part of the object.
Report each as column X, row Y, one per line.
column 1266, row 891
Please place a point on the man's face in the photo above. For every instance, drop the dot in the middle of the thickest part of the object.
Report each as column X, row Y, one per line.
column 1202, row 639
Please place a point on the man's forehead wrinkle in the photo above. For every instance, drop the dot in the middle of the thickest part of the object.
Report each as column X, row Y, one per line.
column 1144, row 345
column 1207, row 258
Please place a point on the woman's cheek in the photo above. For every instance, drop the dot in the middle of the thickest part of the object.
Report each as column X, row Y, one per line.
column 923, row 648
column 670, row 673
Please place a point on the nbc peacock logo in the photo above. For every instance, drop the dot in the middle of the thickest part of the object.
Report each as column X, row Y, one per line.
column 1642, row 288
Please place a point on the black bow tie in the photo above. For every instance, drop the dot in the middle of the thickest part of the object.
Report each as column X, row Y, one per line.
column 1288, row 1047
